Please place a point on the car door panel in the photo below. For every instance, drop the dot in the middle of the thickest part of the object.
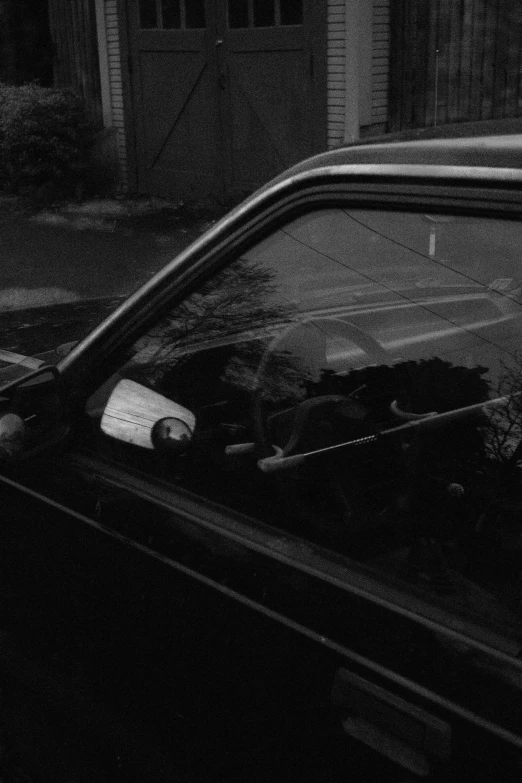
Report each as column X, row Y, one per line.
column 87, row 596
column 345, row 603
column 148, row 640
column 147, row 590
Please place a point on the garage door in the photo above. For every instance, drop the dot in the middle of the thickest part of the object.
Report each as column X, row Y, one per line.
column 226, row 93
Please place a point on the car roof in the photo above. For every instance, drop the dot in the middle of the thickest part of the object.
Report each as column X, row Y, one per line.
column 485, row 151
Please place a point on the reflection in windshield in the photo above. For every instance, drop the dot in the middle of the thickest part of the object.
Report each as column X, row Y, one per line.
column 372, row 343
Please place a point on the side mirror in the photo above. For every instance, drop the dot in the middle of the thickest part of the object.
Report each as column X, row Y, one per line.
column 140, row 416
column 66, row 348
column 34, row 417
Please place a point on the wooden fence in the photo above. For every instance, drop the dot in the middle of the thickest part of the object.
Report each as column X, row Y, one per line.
column 73, row 31
column 454, row 61
column 25, row 45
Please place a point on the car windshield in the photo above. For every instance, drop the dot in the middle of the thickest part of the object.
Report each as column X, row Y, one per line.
column 420, row 287
column 371, row 364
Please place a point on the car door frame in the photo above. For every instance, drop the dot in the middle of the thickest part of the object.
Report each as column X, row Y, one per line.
column 400, row 187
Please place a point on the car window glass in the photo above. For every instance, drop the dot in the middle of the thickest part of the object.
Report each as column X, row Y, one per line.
column 355, row 380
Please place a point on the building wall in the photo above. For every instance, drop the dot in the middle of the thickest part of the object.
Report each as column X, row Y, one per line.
column 454, row 61
column 357, row 68
column 72, row 27
column 336, row 72
column 380, row 63
column 116, row 85
column 112, row 82
column 26, row 46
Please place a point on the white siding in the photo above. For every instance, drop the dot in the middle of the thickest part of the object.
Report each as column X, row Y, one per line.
column 371, row 62
column 380, row 60
column 336, row 72
column 116, row 87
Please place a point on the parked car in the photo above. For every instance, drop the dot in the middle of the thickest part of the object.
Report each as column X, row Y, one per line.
column 273, row 503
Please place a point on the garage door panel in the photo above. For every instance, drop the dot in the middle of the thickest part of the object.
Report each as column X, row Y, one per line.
column 178, row 130
column 252, row 40
column 220, row 109
column 269, row 106
column 165, row 40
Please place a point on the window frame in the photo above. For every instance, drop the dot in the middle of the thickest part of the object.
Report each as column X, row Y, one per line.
column 180, row 279
column 246, row 226
column 251, row 223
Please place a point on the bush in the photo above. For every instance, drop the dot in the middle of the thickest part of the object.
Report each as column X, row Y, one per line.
column 44, row 137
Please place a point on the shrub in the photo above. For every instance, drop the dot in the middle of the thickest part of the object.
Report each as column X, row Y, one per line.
column 44, row 137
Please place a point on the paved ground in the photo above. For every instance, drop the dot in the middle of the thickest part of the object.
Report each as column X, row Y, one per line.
column 101, row 248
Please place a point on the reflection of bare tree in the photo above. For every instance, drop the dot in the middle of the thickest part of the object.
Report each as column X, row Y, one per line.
column 284, row 377
column 232, row 308
column 503, row 433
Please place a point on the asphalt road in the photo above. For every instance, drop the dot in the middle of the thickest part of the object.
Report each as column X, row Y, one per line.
column 49, row 262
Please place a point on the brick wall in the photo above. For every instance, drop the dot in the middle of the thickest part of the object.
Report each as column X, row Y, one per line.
column 380, row 60
column 116, row 86
column 336, row 71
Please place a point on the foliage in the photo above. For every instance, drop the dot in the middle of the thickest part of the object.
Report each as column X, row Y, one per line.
column 221, row 332
column 233, row 302
column 504, row 429
column 44, row 137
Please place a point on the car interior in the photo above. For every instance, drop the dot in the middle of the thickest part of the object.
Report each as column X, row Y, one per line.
column 358, row 385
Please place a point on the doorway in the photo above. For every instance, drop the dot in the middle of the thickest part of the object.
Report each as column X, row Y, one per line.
column 226, row 93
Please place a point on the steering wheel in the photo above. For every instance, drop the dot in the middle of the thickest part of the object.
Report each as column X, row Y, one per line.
column 323, row 492
column 307, row 341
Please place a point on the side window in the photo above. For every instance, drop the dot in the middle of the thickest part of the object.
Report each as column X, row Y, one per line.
column 354, row 379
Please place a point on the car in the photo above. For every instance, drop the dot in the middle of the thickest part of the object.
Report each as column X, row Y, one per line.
column 264, row 521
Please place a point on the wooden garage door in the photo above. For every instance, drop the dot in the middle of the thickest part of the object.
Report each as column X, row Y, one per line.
column 226, row 93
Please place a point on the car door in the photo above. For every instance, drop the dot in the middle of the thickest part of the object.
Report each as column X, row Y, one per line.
column 332, row 542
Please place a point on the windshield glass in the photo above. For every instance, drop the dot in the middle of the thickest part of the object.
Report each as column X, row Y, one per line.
column 368, row 366
column 422, row 286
